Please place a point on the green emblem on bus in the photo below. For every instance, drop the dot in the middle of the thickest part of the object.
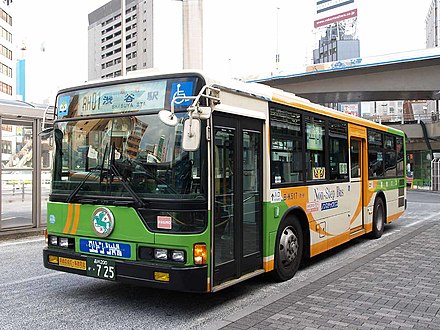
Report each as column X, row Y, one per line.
column 103, row 222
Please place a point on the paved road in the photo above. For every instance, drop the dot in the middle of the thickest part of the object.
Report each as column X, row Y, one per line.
column 34, row 297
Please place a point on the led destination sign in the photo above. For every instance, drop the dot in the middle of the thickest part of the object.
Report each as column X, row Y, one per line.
column 124, row 97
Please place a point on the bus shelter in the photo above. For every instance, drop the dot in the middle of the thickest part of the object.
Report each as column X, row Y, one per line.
column 25, row 165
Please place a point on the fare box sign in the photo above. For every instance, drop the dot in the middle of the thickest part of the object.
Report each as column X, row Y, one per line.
column 164, row 222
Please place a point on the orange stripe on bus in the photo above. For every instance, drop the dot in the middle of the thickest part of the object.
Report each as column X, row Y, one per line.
column 76, row 219
column 268, row 265
column 393, row 217
column 68, row 219
column 329, row 244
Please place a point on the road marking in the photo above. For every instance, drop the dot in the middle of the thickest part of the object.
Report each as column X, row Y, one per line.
column 415, row 223
column 390, row 233
column 22, row 242
column 31, row 279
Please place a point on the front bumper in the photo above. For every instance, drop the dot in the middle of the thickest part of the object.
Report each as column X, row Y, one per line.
column 185, row 279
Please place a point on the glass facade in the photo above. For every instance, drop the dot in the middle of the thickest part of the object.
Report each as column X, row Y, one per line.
column 25, row 170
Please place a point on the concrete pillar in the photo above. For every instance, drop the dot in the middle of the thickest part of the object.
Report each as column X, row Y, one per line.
column 192, row 11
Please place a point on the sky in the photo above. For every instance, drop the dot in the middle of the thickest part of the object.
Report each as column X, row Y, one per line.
column 240, row 36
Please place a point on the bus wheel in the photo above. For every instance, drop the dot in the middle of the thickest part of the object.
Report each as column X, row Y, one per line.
column 288, row 249
column 378, row 218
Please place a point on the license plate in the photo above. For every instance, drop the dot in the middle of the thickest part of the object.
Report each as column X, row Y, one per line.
column 101, row 268
column 72, row 263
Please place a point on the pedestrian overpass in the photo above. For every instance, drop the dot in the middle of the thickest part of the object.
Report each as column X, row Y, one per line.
column 402, row 76
column 411, row 75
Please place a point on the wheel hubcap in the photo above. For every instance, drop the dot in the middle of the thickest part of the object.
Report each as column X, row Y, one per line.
column 288, row 246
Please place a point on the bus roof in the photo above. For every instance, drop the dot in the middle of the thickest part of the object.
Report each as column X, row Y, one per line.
column 251, row 89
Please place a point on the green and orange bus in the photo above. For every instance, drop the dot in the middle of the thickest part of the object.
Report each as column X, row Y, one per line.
column 181, row 182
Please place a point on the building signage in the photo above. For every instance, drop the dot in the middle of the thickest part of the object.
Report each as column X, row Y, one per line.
column 335, row 18
column 326, row 5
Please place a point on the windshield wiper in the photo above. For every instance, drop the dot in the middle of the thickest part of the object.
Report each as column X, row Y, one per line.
column 124, row 182
column 84, row 180
column 79, row 186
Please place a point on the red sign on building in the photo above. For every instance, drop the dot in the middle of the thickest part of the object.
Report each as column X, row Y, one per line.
column 335, row 18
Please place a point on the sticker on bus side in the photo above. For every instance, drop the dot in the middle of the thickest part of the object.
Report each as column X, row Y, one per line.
column 318, row 173
column 275, row 196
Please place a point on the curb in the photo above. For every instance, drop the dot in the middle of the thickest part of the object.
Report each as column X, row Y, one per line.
column 21, row 233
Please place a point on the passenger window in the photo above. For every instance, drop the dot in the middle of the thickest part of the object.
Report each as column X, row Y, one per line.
column 375, row 155
column 338, row 151
column 315, row 154
column 390, row 157
column 286, row 146
column 399, row 151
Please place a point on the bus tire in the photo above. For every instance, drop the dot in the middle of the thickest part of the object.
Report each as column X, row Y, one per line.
column 288, row 249
column 378, row 218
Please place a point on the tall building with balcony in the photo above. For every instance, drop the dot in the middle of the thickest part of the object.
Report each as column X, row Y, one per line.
column 144, row 49
column 7, row 66
column 432, row 25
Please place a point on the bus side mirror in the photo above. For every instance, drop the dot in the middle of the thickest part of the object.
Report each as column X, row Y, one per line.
column 191, row 134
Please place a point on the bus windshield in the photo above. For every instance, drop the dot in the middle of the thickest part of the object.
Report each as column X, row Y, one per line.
column 128, row 156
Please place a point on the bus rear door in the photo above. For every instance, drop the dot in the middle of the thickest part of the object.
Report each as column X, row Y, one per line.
column 357, row 177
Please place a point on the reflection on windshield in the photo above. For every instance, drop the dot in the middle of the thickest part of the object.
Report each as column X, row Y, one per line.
column 101, row 156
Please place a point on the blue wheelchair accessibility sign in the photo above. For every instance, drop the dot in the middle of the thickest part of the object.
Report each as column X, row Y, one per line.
column 182, row 89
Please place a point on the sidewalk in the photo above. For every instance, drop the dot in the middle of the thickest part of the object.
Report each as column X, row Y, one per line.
column 396, row 286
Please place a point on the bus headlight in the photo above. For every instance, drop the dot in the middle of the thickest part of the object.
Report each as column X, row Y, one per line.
column 63, row 242
column 161, row 254
column 178, row 255
column 53, row 240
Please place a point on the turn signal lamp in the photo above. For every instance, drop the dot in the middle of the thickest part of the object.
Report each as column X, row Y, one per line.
column 200, row 254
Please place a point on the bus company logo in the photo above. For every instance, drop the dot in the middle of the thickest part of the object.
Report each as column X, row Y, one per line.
column 103, row 222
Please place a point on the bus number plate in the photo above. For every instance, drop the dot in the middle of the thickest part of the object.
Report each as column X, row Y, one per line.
column 101, row 268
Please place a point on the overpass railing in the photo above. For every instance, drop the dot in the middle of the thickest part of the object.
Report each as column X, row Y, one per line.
column 402, row 119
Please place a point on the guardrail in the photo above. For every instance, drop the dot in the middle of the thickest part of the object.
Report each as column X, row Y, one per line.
column 402, row 119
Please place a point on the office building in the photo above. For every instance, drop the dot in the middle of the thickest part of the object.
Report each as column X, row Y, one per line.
column 432, row 25
column 144, row 49
column 7, row 66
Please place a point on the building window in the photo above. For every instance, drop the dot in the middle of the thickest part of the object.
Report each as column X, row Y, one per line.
column 5, row 88
column 6, row 17
column 6, row 52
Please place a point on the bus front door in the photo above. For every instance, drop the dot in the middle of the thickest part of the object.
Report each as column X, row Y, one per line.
column 237, row 203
